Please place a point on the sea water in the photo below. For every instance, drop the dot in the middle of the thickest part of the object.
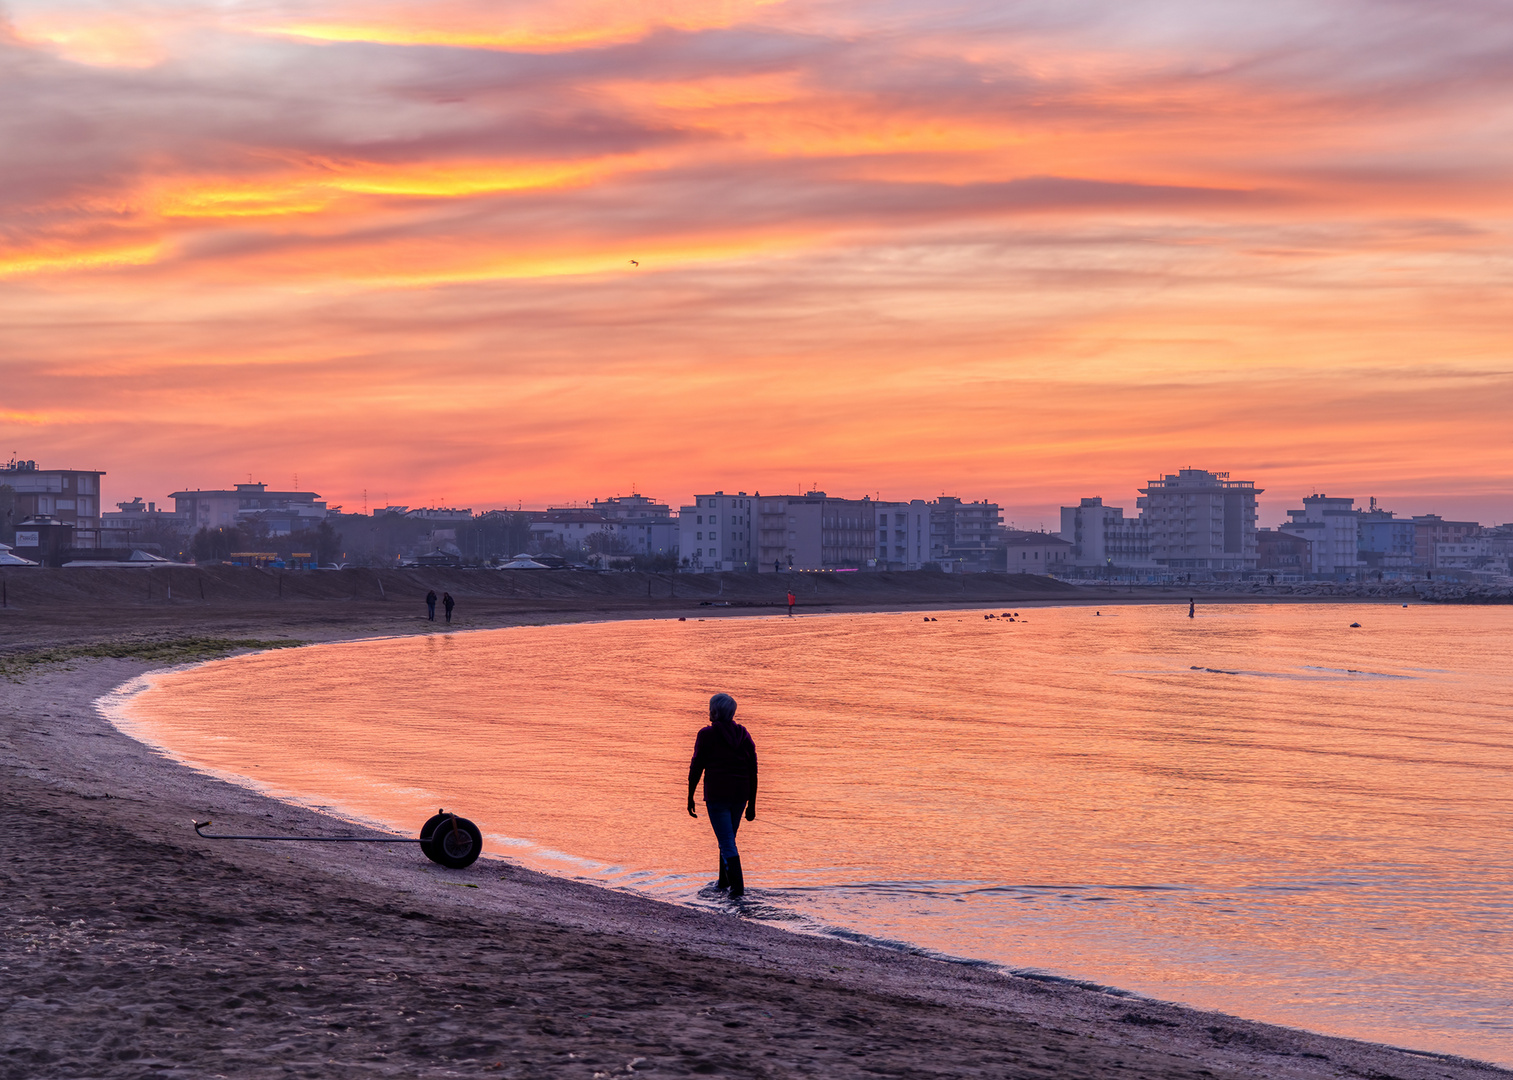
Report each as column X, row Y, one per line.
column 1261, row 810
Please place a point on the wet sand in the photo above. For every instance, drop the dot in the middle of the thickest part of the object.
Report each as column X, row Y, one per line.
column 133, row 948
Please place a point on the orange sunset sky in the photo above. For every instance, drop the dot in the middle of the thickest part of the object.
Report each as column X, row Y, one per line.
column 1027, row 251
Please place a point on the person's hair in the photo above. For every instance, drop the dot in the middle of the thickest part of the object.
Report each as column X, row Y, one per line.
column 722, row 707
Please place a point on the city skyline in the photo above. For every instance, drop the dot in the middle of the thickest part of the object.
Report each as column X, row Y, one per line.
column 1271, row 508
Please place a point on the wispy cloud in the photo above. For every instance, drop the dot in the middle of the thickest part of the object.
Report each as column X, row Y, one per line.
column 1008, row 246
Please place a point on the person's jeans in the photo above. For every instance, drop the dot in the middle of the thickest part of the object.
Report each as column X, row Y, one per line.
column 725, row 819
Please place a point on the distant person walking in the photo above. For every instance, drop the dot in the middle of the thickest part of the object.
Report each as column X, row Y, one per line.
column 448, row 603
column 431, row 605
column 1192, row 608
column 791, row 601
column 726, row 756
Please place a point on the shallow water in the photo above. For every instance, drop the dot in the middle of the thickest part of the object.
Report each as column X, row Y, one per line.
column 1259, row 810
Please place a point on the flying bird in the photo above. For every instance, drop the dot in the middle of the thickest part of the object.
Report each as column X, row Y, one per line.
column 634, row 263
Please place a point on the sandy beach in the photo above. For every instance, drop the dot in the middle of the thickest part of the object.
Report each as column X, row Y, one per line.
column 133, row 948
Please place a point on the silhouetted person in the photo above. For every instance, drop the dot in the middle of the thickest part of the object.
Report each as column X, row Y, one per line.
column 448, row 603
column 791, row 601
column 726, row 756
column 776, row 567
column 1192, row 609
column 431, row 605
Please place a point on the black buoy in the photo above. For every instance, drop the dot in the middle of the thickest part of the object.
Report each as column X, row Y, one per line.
column 1355, row 626
column 451, row 841
column 446, row 839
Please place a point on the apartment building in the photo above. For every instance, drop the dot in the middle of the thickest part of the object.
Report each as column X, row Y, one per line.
column 221, row 508
column 643, row 526
column 563, row 529
column 631, row 507
column 68, row 496
column 1102, row 536
column 1331, row 526
column 965, row 533
column 1472, row 553
column 1431, row 530
column 1283, row 553
column 816, row 531
column 1384, row 541
column 1200, row 520
column 717, row 532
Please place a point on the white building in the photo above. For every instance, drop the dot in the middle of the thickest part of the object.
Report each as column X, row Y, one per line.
column 647, row 536
column 1470, row 554
column 1332, row 527
column 632, row 507
column 815, row 531
column 569, row 530
column 1102, row 536
column 219, row 509
column 715, row 533
column 1199, row 520
column 904, row 534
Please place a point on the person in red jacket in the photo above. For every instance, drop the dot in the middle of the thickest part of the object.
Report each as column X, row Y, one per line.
column 791, row 601
column 725, row 755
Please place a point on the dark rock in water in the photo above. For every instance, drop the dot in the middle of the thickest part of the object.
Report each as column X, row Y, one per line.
column 1355, row 626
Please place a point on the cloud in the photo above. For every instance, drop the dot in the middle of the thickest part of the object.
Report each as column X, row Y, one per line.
column 1016, row 245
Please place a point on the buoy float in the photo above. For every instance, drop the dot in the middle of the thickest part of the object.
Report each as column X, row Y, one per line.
column 445, row 839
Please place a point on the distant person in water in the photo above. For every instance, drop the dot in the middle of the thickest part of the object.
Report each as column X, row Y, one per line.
column 1192, row 608
column 431, row 605
column 725, row 755
column 448, row 603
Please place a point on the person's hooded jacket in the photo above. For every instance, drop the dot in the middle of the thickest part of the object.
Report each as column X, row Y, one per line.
column 726, row 756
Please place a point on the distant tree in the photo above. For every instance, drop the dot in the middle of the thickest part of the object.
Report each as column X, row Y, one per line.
column 498, row 534
column 216, row 545
column 323, row 542
column 168, row 538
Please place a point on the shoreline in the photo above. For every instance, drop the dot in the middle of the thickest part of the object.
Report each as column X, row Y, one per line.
column 692, row 992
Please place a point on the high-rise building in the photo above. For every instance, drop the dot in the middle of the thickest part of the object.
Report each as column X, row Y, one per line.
column 1332, row 527
column 1102, row 536
column 965, row 533
column 1199, row 520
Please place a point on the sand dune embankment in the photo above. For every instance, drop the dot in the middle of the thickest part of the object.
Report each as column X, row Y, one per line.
column 48, row 606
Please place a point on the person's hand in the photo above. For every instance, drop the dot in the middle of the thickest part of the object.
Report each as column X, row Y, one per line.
column 751, row 811
column 691, row 811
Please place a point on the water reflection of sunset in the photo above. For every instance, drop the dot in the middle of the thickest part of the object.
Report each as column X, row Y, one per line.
column 1258, row 810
